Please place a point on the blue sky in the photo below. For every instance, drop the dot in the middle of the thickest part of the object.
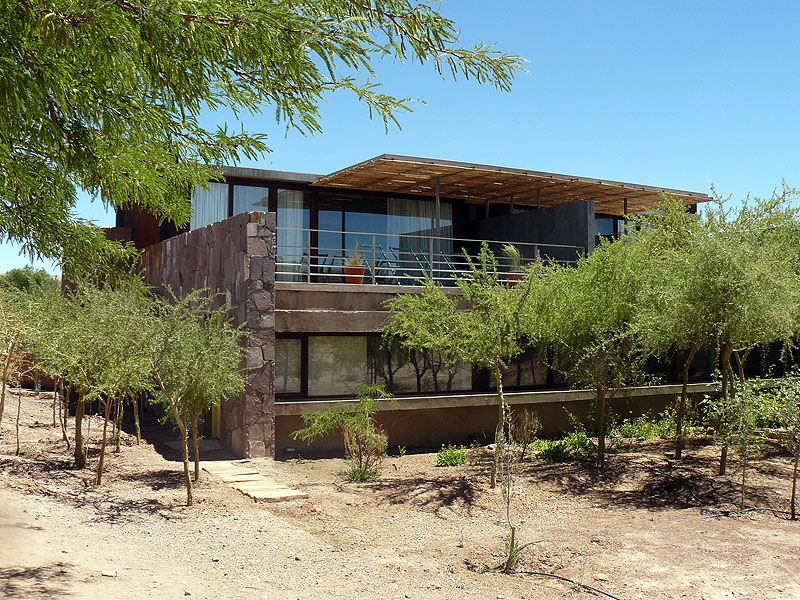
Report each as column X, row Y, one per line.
column 674, row 94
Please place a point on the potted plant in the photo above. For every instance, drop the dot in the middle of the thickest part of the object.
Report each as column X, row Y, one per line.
column 515, row 272
column 354, row 266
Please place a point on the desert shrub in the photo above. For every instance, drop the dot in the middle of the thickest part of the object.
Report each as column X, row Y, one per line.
column 451, row 456
column 365, row 442
column 648, row 425
column 766, row 407
column 525, row 426
column 552, row 450
column 577, row 439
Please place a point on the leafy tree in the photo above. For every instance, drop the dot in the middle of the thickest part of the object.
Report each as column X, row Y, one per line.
column 725, row 277
column 587, row 322
column 117, row 319
column 13, row 329
column 96, row 340
column 789, row 416
column 106, row 97
column 365, row 442
column 194, row 358
column 219, row 377
column 487, row 332
column 29, row 280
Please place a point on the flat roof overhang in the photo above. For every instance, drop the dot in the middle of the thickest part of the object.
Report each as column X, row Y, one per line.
column 476, row 183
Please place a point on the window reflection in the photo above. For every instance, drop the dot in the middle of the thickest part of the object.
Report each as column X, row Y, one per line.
column 337, row 365
column 293, row 242
column 404, row 371
column 288, row 365
column 248, row 198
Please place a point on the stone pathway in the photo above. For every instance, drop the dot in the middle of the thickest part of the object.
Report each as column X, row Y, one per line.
column 250, row 482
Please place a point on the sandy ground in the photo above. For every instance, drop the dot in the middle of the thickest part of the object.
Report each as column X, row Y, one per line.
column 647, row 528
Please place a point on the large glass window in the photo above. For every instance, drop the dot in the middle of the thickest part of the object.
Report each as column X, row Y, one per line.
column 399, row 222
column 209, row 206
column 402, row 371
column 288, row 365
column 248, row 198
column 337, row 365
column 528, row 370
column 293, row 238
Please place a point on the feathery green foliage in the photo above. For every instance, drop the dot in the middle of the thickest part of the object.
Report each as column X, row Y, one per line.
column 587, row 322
column 194, row 358
column 365, row 442
column 106, row 96
column 726, row 277
column 789, row 416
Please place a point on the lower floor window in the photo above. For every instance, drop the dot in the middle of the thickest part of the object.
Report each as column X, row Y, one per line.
column 336, row 365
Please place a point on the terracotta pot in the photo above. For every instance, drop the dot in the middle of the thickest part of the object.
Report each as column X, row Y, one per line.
column 514, row 277
column 354, row 273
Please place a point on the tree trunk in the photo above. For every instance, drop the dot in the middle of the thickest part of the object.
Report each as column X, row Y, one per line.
column 57, row 398
column 508, row 567
column 499, row 434
column 103, row 443
column 723, row 459
column 80, row 455
column 6, row 367
column 118, row 421
column 727, row 385
column 744, row 471
column 65, row 413
column 679, row 441
column 794, row 484
column 137, row 426
column 19, row 406
column 601, row 427
column 185, row 450
column 195, row 447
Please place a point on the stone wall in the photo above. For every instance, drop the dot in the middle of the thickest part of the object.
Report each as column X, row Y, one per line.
column 236, row 258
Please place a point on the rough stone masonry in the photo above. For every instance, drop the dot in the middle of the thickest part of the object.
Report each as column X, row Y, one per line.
column 236, row 259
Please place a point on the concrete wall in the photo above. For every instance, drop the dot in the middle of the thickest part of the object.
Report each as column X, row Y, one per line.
column 333, row 307
column 236, row 258
column 568, row 224
column 428, row 422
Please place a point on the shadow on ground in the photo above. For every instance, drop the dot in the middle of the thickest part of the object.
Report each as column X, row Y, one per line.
column 436, row 493
column 48, row 581
column 638, row 481
column 57, row 479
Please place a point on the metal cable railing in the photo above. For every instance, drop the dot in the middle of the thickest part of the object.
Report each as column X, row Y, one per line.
column 397, row 259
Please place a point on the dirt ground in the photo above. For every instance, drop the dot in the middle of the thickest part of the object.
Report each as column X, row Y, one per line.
column 647, row 528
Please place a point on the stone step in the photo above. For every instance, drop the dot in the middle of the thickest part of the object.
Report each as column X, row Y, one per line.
column 275, row 495
column 251, row 483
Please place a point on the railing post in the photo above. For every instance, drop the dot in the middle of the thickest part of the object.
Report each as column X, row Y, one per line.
column 431, row 251
column 374, row 274
column 308, row 248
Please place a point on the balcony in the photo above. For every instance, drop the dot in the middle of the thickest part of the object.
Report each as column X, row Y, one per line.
column 405, row 259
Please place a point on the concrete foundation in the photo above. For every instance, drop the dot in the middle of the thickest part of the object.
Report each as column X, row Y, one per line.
column 428, row 422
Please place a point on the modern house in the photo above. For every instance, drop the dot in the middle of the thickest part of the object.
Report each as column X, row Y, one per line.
column 279, row 248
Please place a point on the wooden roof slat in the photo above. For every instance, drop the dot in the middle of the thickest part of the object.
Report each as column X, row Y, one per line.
column 478, row 183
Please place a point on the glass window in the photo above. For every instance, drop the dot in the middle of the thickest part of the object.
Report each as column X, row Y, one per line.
column 402, row 371
column 248, row 198
column 337, row 365
column 288, row 365
column 604, row 226
column 528, row 370
column 209, row 206
column 293, row 236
